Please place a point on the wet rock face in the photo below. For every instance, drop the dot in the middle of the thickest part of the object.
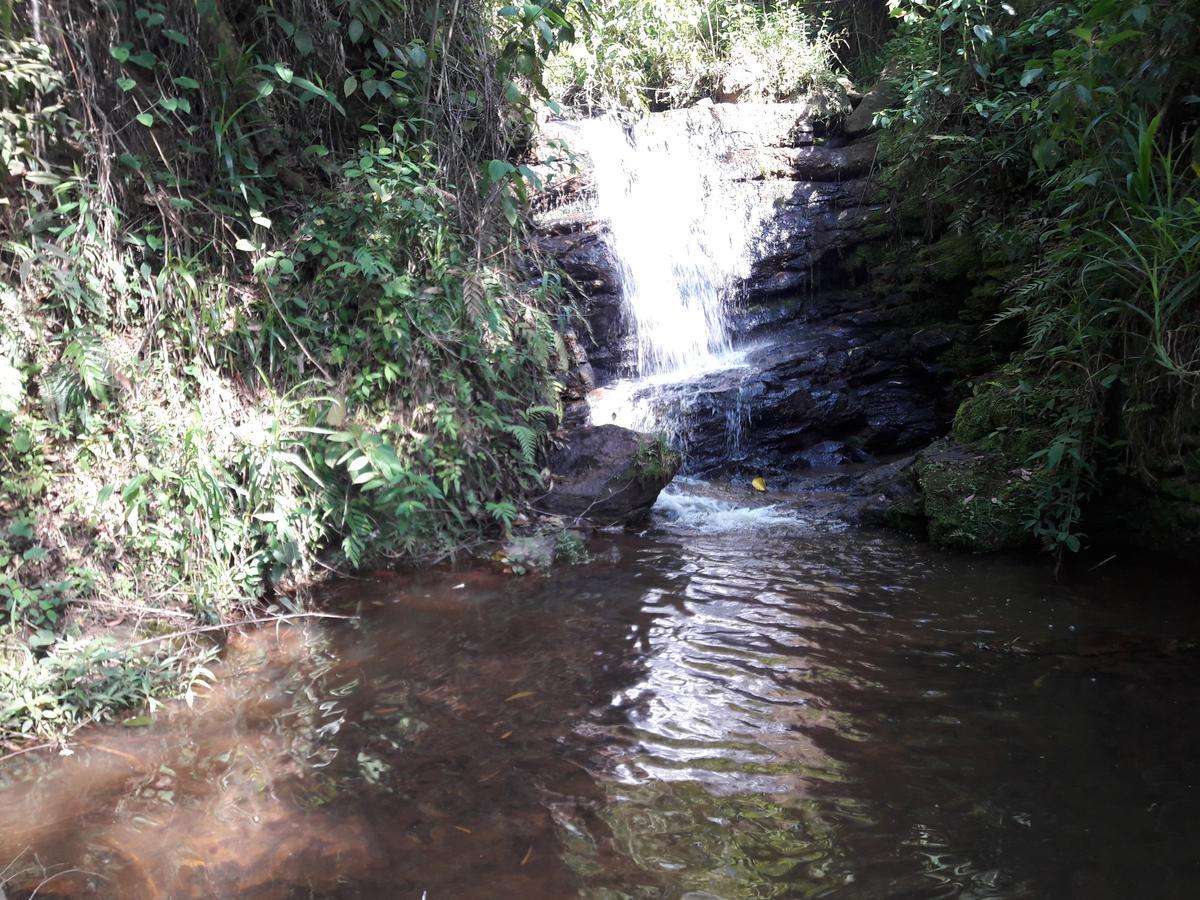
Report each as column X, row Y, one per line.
column 809, row 185
column 607, row 475
column 838, row 378
column 832, row 377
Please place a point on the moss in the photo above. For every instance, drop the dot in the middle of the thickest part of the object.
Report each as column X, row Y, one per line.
column 976, row 498
column 952, row 257
column 1183, row 489
column 1004, row 413
column 907, row 516
column 656, row 462
column 1165, row 520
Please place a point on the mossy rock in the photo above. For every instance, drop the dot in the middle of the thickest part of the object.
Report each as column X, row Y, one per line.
column 1004, row 413
column 952, row 257
column 1163, row 517
column 907, row 516
column 976, row 498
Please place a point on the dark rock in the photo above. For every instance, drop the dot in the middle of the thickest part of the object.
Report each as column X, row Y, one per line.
column 879, row 98
column 832, row 164
column 607, row 475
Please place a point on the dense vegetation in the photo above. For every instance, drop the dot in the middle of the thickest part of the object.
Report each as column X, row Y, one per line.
column 262, row 314
column 1060, row 140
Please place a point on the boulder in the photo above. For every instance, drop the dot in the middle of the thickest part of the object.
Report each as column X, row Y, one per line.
column 876, row 100
column 608, row 475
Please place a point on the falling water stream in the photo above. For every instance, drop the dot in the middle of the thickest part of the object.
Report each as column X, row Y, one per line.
column 737, row 702
column 683, row 237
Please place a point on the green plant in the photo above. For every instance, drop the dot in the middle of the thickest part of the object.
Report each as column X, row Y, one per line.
column 1062, row 135
column 269, row 316
column 655, row 53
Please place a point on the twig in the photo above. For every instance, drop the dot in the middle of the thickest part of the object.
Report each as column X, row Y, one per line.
column 49, row 878
column 17, row 753
column 260, row 621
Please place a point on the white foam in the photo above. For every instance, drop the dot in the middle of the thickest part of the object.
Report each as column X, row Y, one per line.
column 710, row 515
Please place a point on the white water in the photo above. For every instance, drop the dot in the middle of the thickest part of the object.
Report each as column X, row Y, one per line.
column 680, row 507
column 681, row 233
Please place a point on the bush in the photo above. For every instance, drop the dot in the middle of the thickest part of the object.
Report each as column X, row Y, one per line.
column 1063, row 134
column 268, row 317
column 657, row 53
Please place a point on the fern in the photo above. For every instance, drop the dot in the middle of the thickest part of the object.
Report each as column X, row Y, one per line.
column 527, row 439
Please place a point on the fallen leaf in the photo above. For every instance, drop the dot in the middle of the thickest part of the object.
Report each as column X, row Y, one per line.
column 759, row 484
column 519, row 695
column 528, row 855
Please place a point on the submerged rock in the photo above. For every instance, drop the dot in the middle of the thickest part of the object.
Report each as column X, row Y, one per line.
column 608, row 475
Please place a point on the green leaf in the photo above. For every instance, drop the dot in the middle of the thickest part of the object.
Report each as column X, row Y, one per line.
column 145, row 59
column 349, row 86
column 120, row 54
column 417, row 56
column 1046, row 154
column 176, row 36
column 126, row 84
column 497, row 169
column 355, row 31
column 304, row 42
column 188, row 84
column 983, row 32
column 146, row 119
column 510, row 12
column 1029, row 76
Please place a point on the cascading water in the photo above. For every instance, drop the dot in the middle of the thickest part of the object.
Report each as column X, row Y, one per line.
column 683, row 236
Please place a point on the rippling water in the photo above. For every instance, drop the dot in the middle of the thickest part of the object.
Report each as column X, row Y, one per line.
column 736, row 704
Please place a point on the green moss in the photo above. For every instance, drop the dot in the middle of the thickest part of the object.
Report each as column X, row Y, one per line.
column 952, row 257
column 1184, row 489
column 907, row 516
column 977, row 499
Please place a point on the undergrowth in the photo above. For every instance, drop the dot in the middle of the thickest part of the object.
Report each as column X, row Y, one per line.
column 665, row 53
column 263, row 315
column 1062, row 136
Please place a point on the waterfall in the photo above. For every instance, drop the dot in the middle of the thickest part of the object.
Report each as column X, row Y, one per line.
column 681, row 234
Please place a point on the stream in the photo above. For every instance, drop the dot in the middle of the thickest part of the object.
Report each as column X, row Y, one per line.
column 735, row 703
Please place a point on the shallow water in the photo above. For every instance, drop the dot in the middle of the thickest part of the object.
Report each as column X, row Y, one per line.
column 735, row 704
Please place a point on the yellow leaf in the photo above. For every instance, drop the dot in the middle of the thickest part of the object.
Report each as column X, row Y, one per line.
column 759, row 484
column 520, row 695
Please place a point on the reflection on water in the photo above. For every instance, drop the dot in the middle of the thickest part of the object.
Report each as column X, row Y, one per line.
column 746, row 709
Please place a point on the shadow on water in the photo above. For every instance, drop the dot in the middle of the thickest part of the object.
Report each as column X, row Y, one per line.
column 767, row 711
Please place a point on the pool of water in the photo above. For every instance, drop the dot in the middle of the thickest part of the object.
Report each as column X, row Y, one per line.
column 733, row 704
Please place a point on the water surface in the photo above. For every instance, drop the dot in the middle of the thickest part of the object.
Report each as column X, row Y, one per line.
column 731, row 705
